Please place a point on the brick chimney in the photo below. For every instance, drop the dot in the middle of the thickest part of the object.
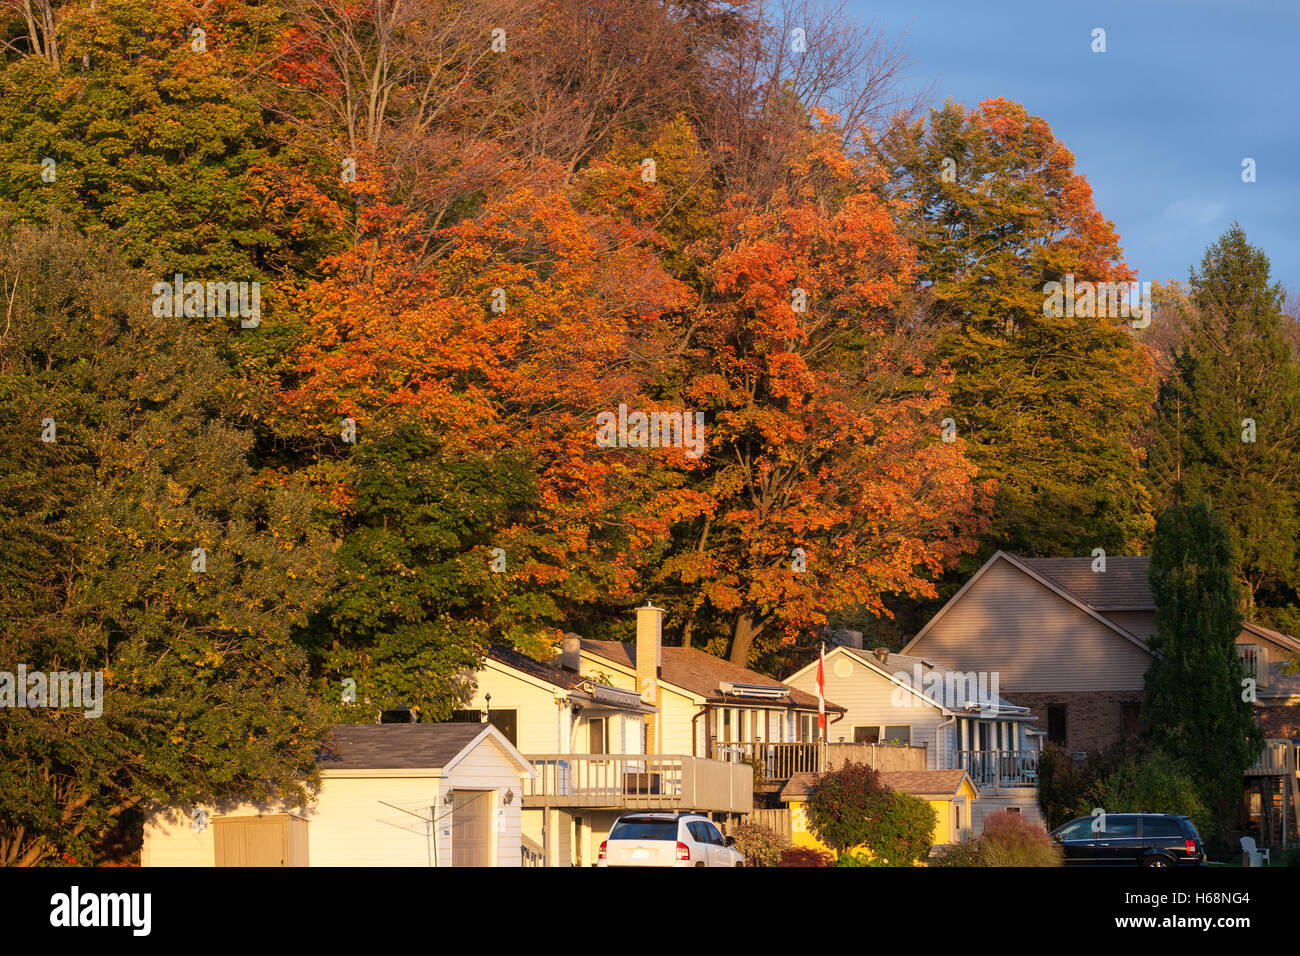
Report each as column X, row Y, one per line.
column 570, row 652
column 649, row 665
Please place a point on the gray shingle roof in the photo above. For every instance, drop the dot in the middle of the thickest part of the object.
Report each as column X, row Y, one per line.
column 1123, row 586
column 395, row 746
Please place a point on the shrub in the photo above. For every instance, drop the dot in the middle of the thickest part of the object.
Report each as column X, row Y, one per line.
column 1009, row 839
column 1156, row 783
column 760, row 845
column 851, row 808
column 805, row 856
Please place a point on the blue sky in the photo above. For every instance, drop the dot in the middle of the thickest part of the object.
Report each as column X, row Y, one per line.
column 1159, row 123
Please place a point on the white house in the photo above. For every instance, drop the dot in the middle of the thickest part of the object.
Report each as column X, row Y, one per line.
column 959, row 718
column 390, row 795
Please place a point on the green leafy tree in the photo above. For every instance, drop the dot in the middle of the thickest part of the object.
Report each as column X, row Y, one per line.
column 139, row 543
column 1045, row 404
column 1228, row 425
column 1195, row 708
column 851, row 808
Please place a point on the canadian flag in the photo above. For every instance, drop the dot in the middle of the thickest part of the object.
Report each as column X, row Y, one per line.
column 821, row 690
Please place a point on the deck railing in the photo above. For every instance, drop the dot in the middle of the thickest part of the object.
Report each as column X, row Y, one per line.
column 1277, row 758
column 772, row 762
column 638, row 782
column 1000, row 768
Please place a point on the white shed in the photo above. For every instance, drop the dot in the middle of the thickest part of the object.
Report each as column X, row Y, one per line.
column 391, row 795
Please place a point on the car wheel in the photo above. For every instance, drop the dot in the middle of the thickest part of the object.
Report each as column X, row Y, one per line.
column 701, row 863
column 1157, row 861
column 741, row 863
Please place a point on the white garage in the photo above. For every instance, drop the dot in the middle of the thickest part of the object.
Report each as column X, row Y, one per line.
column 391, row 795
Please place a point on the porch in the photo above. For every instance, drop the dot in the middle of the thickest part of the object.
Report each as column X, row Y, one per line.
column 638, row 782
column 999, row 769
column 774, row 763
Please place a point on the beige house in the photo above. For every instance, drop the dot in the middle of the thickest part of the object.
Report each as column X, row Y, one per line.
column 958, row 717
column 390, row 795
column 710, row 707
column 585, row 739
column 1066, row 642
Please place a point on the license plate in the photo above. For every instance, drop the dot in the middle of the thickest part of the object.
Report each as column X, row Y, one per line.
column 640, row 854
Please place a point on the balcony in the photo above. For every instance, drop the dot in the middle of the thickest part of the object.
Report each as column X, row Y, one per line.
column 773, row 763
column 999, row 768
column 638, row 782
column 1278, row 759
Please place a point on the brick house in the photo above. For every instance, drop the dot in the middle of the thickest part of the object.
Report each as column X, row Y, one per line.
column 1070, row 644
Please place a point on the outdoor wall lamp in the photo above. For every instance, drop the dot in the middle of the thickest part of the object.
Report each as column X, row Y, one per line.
column 508, row 798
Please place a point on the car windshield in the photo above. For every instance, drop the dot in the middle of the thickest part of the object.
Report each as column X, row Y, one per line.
column 644, row 830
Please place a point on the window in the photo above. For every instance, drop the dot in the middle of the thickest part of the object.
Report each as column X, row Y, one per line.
column 506, row 721
column 1078, row 830
column 901, row 734
column 808, row 729
column 956, row 821
column 1012, row 809
column 644, row 829
column 714, row 834
column 1056, row 729
column 696, row 829
column 1254, row 659
column 1120, row 826
column 1161, row 827
column 1130, row 719
column 597, row 736
column 866, row 735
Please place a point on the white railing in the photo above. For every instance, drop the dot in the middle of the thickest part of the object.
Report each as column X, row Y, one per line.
column 1000, row 768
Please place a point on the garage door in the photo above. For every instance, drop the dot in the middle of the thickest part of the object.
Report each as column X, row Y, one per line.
column 471, row 828
column 275, row 840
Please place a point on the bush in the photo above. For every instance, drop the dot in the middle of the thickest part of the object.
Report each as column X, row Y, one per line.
column 760, row 845
column 805, row 856
column 851, row 808
column 1155, row 783
column 1009, row 839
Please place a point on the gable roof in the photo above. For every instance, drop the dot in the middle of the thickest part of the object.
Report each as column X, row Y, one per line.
column 406, row 746
column 941, row 784
column 700, row 673
column 1285, row 641
column 1042, row 579
column 907, row 664
column 1123, row 586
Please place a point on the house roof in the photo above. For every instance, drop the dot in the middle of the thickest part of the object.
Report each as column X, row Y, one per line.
column 582, row 688
column 403, row 746
column 924, row 783
column 549, row 673
column 701, row 673
column 907, row 664
column 1123, row 586
column 1042, row 579
column 921, row 783
column 1284, row 641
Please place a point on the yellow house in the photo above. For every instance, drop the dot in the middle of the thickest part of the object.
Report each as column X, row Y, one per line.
column 949, row 792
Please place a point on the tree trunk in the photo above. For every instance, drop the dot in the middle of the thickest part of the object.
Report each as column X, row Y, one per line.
column 742, row 639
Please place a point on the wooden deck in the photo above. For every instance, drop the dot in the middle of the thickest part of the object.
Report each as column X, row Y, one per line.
column 639, row 782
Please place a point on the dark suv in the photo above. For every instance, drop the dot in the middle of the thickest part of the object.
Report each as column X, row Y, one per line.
column 1131, row 839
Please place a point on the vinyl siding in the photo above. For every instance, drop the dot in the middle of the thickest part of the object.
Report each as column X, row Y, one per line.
column 869, row 700
column 349, row 824
column 1034, row 639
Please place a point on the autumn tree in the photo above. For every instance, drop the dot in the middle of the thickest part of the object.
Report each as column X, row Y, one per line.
column 1047, row 403
column 827, row 480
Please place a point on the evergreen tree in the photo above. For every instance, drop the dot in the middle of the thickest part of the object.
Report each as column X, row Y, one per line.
column 1228, row 424
column 1196, row 708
